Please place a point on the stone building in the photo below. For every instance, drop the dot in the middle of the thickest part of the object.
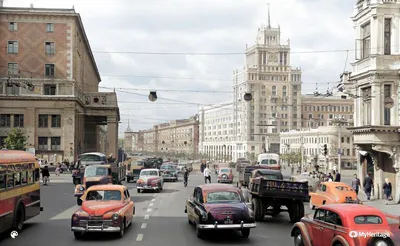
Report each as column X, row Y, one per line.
column 133, row 141
column 276, row 93
column 375, row 88
column 177, row 136
column 49, row 84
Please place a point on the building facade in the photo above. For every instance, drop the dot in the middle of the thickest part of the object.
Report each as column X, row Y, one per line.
column 49, row 84
column 375, row 79
column 180, row 137
column 217, row 133
column 310, row 142
column 322, row 110
column 275, row 87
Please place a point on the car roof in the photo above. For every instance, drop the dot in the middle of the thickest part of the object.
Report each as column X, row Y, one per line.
column 267, row 171
column 217, row 187
column 150, row 169
column 353, row 209
column 106, row 187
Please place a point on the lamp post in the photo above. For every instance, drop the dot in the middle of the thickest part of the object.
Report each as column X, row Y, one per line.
column 340, row 122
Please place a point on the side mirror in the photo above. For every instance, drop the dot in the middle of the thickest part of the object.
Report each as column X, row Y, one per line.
column 79, row 201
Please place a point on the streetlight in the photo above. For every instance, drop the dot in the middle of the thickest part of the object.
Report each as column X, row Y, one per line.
column 247, row 96
column 153, row 96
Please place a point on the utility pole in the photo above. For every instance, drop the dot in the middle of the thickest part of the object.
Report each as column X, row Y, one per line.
column 339, row 122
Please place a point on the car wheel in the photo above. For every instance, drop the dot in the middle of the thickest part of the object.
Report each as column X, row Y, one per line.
column 245, row 233
column 190, row 222
column 19, row 218
column 199, row 233
column 122, row 229
column 78, row 235
column 298, row 238
column 138, row 190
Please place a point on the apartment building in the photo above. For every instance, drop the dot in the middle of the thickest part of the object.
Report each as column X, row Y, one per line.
column 49, row 84
column 217, row 133
column 339, row 143
column 275, row 87
column 374, row 84
column 177, row 137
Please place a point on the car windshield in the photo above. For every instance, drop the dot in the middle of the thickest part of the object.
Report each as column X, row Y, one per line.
column 225, row 170
column 140, row 163
column 368, row 219
column 344, row 188
column 90, row 157
column 268, row 162
column 91, row 171
column 223, row 197
column 167, row 168
column 103, row 195
column 149, row 173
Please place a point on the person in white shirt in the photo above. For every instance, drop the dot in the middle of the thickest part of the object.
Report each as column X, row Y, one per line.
column 207, row 174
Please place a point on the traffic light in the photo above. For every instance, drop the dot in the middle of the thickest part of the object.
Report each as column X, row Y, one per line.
column 325, row 149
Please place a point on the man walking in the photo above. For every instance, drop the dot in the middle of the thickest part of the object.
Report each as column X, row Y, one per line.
column 368, row 185
column 207, row 174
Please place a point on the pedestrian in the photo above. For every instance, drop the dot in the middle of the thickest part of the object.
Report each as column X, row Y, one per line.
column 207, row 174
column 368, row 186
column 355, row 184
column 337, row 176
column 387, row 191
column 58, row 168
column 202, row 166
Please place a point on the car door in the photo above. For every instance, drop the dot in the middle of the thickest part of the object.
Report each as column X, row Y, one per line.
column 190, row 205
column 317, row 227
column 198, row 204
column 333, row 228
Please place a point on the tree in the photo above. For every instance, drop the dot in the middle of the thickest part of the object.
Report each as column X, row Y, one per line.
column 16, row 140
column 251, row 156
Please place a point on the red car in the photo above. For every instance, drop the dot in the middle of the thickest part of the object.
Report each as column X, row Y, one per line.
column 345, row 225
column 219, row 207
column 225, row 175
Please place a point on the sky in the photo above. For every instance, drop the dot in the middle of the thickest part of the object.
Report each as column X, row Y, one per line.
column 320, row 32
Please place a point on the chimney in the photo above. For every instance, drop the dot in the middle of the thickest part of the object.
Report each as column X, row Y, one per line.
column 1, row 3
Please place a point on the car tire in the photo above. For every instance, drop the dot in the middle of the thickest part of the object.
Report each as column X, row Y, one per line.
column 122, row 230
column 138, row 190
column 19, row 219
column 298, row 238
column 199, row 233
column 78, row 235
column 259, row 212
column 190, row 222
column 245, row 233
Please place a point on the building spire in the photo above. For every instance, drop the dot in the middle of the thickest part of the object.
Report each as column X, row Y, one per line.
column 128, row 129
column 269, row 15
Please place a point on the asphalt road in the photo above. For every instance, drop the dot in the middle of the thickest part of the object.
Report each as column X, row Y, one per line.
column 160, row 220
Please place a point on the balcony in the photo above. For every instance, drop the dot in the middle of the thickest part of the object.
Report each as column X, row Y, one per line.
column 101, row 100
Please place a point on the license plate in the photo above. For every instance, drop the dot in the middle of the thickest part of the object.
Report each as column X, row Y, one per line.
column 228, row 221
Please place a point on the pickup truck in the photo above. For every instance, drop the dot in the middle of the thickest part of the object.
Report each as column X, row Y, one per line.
column 246, row 172
column 269, row 195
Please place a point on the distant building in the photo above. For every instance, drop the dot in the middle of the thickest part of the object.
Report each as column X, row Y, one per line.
column 49, row 85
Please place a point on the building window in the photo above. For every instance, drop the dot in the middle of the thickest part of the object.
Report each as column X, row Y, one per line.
column 43, row 121
column 56, row 120
column 310, row 116
column 49, row 70
column 274, row 90
column 19, row 120
column 55, row 143
column 366, row 40
column 43, row 143
column 50, row 48
column 387, row 91
column 388, row 36
column 12, row 26
column 366, row 106
column 284, row 92
column 50, row 27
column 49, row 89
column 13, row 68
column 12, row 47
column 5, row 120
column 2, row 142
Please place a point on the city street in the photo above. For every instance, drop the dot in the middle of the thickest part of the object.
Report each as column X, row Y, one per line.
column 160, row 220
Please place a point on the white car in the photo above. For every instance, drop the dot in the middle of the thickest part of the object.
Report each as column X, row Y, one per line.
column 150, row 179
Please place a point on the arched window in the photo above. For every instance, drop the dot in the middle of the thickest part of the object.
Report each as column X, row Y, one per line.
column 284, row 91
column 274, row 90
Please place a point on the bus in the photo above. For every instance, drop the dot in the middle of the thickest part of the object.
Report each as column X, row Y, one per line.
column 270, row 160
column 19, row 189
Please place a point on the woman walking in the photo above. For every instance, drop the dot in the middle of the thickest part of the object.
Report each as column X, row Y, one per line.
column 387, row 191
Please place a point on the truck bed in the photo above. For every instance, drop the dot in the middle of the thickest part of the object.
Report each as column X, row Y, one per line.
column 279, row 189
column 245, row 173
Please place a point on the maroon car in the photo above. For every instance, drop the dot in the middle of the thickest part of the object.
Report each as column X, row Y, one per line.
column 219, row 207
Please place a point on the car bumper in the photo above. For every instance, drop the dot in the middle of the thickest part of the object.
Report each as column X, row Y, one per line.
column 148, row 188
column 226, row 227
column 169, row 178
column 225, row 180
column 78, row 194
column 95, row 229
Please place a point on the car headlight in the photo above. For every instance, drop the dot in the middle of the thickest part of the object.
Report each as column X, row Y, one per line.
column 75, row 217
column 81, row 188
column 115, row 217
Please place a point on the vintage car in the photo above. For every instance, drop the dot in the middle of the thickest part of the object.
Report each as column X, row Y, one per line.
column 104, row 208
column 344, row 224
column 150, row 179
column 94, row 175
column 169, row 172
column 219, row 207
column 225, row 175
column 333, row 192
column 313, row 182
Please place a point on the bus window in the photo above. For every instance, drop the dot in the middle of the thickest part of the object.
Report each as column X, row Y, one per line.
column 10, row 180
column 24, row 177
column 17, row 177
column 3, row 169
column 30, row 177
column 2, row 177
column 37, row 175
column 10, row 168
column 25, row 167
column 18, row 168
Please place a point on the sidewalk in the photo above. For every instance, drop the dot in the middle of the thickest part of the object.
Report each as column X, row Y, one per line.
column 391, row 208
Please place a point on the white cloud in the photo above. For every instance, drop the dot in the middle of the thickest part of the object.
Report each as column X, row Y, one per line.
column 202, row 26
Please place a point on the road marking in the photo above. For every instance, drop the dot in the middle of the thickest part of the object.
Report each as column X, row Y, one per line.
column 144, row 225
column 153, row 199
column 146, row 217
column 139, row 237
column 151, row 204
column 149, row 210
column 66, row 214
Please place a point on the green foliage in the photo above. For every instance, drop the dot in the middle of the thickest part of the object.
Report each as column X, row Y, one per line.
column 292, row 157
column 251, row 156
column 16, row 140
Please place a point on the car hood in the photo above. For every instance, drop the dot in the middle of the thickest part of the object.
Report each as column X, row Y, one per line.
column 237, row 211
column 148, row 178
column 98, row 208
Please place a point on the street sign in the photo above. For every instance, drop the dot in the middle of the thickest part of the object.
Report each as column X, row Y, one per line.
column 388, row 102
